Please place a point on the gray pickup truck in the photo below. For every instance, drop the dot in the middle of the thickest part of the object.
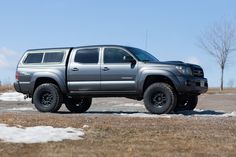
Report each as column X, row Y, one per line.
column 74, row 75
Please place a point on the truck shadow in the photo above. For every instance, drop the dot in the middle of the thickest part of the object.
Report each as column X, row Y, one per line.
column 184, row 113
column 103, row 112
column 201, row 112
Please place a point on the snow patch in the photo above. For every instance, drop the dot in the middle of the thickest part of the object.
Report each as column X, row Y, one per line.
column 232, row 114
column 38, row 134
column 85, row 126
column 12, row 96
column 21, row 109
column 145, row 115
column 130, row 105
column 230, row 94
column 195, row 113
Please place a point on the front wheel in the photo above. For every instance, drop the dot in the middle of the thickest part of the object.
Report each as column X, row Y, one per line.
column 160, row 98
column 80, row 105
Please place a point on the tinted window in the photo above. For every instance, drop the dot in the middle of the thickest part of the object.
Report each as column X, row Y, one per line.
column 34, row 58
column 114, row 55
column 87, row 56
column 53, row 57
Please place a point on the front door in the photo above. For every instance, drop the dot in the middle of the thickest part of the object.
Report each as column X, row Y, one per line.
column 84, row 70
column 116, row 73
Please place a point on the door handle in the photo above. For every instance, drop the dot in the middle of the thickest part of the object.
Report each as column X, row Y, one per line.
column 105, row 69
column 75, row 69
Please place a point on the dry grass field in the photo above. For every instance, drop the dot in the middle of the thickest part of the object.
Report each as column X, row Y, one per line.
column 6, row 88
column 217, row 90
column 109, row 134
column 125, row 136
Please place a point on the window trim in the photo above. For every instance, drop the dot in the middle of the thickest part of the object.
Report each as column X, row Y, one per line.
column 121, row 48
column 89, row 48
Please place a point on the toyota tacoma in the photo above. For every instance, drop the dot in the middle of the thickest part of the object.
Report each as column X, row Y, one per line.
column 74, row 75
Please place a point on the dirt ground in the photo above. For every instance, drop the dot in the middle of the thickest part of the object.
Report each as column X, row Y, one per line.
column 110, row 134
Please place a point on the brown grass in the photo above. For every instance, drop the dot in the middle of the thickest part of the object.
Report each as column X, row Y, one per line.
column 124, row 136
column 217, row 90
column 6, row 88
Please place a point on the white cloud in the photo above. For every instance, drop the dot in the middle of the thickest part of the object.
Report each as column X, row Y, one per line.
column 6, row 51
column 8, row 62
column 2, row 62
column 193, row 60
column 8, row 58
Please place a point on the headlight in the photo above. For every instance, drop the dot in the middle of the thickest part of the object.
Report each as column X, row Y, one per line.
column 184, row 70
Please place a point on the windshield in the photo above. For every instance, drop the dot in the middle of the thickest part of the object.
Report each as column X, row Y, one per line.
column 142, row 55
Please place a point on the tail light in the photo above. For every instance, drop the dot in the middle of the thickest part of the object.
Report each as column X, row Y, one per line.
column 17, row 76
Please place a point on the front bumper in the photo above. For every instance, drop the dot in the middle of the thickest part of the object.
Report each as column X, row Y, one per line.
column 192, row 85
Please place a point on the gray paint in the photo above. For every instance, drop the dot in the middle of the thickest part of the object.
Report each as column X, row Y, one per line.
column 120, row 79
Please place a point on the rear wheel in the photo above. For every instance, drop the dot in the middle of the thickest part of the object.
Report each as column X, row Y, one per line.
column 160, row 98
column 80, row 105
column 47, row 98
column 186, row 103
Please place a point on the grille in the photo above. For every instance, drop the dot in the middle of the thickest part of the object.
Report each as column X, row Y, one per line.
column 197, row 72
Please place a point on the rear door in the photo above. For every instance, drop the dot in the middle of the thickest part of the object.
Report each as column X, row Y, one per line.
column 84, row 70
column 117, row 74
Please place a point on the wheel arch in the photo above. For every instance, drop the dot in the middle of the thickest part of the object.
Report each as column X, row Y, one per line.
column 47, row 78
column 150, row 79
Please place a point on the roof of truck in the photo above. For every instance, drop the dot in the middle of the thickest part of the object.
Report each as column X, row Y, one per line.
column 78, row 47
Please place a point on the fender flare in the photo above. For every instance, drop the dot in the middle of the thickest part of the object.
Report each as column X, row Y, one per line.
column 150, row 72
column 59, row 80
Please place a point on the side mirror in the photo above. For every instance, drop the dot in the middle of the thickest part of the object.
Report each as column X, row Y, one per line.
column 129, row 59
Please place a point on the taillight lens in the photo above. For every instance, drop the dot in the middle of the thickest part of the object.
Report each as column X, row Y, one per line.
column 17, row 76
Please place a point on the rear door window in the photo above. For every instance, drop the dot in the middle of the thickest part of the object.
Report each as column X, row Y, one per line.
column 53, row 57
column 34, row 58
column 87, row 56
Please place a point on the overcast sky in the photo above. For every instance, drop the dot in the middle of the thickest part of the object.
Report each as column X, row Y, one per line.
column 172, row 27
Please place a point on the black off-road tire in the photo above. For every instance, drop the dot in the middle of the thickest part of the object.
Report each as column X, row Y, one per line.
column 78, row 105
column 47, row 97
column 160, row 98
column 186, row 103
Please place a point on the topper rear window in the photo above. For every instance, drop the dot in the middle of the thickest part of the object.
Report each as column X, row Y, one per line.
column 44, row 57
column 34, row 58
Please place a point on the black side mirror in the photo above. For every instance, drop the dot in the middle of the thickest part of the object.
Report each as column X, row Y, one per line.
column 129, row 59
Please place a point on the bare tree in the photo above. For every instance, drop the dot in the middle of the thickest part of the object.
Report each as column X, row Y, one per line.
column 219, row 42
